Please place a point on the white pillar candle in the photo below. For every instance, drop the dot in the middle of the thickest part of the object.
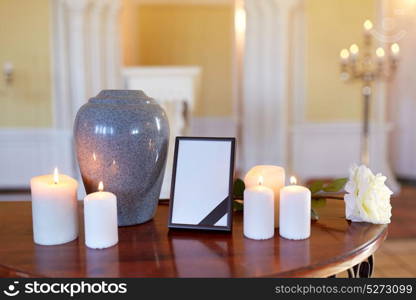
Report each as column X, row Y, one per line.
column 274, row 178
column 295, row 211
column 258, row 212
column 54, row 209
column 100, row 219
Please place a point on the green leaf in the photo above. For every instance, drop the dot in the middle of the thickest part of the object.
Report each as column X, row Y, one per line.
column 316, row 186
column 238, row 189
column 336, row 185
column 314, row 215
column 318, row 203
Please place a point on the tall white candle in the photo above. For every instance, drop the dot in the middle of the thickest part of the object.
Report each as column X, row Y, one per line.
column 100, row 219
column 258, row 212
column 54, row 209
column 274, row 178
column 295, row 211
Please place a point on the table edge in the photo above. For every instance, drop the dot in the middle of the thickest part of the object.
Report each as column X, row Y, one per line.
column 338, row 264
column 326, row 268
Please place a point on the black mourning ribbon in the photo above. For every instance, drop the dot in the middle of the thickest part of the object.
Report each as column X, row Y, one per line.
column 216, row 214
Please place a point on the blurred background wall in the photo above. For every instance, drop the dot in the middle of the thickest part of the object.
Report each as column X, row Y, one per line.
column 25, row 33
column 320, row 115
column 187, row 35
column 331, row 26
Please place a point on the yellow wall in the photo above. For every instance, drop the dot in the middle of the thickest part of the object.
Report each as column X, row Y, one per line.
column 202, row 35
column 330, row 26
column 192, row 35
column 24, row 40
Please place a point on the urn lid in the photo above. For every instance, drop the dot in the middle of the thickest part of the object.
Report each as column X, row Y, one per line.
column 119, row 97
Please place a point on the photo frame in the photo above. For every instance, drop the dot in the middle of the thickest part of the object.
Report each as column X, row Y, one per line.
column 202, row 183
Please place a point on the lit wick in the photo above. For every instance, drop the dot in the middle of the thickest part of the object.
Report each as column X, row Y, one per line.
column 260, row 181
column 55, row 176
column 100, row 186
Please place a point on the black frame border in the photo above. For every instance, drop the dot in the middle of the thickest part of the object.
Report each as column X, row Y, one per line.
column 230, row 193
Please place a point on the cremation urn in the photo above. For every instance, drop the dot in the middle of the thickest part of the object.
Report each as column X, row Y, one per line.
column 121, row 139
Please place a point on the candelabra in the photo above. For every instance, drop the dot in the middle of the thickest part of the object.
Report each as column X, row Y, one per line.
column 368, row 68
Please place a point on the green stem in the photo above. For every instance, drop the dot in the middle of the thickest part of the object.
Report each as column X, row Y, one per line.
column 328, row 195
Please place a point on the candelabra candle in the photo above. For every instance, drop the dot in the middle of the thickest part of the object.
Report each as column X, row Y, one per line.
column 344, row 55
column 100, row 219
column 368, row 26
column 354, row 52
column 395, row 51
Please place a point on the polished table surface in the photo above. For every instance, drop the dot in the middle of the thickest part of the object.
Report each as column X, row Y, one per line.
column 152, row 250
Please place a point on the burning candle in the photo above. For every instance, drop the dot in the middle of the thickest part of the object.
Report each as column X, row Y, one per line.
column 258, row 212
column 100, row 219
column 380, row 53
column 273, row 177
column 354, row 51
column 395, row 50
column 344, row 55
column 295, row 211
column 54, row 209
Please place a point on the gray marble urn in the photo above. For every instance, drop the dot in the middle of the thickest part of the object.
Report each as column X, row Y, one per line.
column 121, row 138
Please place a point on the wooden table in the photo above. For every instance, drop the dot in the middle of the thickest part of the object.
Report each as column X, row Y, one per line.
column 151, row 250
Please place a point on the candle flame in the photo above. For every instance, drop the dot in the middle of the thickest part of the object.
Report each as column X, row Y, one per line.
column 368, row 25
column 240, row 20
column 354, row 49
column 100, row 186
column 344, row 54
column 293, row 180
column 260, row 181
column 395, row 48
column 55, row 175
column 380, row 52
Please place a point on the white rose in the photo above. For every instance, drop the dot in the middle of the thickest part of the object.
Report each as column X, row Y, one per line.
column 367, row 198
